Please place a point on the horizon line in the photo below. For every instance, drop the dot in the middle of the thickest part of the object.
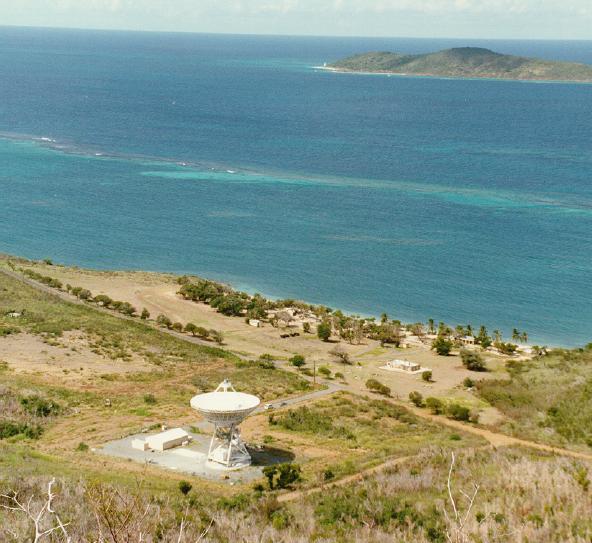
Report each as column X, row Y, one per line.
column 287, row 35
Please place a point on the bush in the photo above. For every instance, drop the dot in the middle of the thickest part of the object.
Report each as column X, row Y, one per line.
column 434, row 405
column 282, row 475
column 468, row 382
column 217, row 336
column 458, row 412
column 145, row 314
column 378, row 387
column 163, row 320
column 472, row 361
column 177, row 327
column 190, row 328
column 298, row 361
column 416, row 398
column 442, row 346
column 324, row 370
column 149, row 399
column 82, row 447
column 324, row 331
column 39, row 407
column 427, row 376
column 185, row 487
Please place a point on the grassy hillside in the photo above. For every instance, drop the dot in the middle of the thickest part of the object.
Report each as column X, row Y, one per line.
column 548, row 399
column 466, row 62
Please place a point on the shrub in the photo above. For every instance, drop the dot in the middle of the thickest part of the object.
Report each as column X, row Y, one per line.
column 442, row 346
column 340, row 355
column 472, row 361
column 427, row 375
column 458, row 412
column 324, row 370
column 416, row 398
column 202, row 332
column 378, row 387
column 324, row 331
column 190, row 328
column 163, row 320
column 339, row 375
column 103, row 299
column 145, row 314
column 217, row 336
column 468, row 382
column 149, row 399
column 82, row 447
column 177, row 327
column 282, row 475
column 306, row 327
column 434, row 405
column 185, row 487
column 39, row 407
column 298, row 361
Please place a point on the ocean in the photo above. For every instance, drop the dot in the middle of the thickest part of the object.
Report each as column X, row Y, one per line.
column 235, row 158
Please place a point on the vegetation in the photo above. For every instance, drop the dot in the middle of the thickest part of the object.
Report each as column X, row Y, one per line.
column 466, row 62
column 548, row 399
column 472, row 360
column 376, row 386
column 324, row 331
column 442, row 346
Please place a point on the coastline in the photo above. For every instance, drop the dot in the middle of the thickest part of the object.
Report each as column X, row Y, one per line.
column 237, row 286
column 336, row 70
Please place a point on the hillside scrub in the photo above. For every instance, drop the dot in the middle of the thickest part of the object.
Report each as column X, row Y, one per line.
column 548, row 399
column 521, row 497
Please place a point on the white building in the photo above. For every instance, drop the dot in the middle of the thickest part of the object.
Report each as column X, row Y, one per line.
column 165, row 440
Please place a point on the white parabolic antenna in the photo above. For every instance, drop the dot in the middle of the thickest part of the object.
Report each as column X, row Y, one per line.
column 226, row 408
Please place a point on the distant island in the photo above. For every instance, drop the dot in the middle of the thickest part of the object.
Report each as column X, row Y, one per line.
column 465, row 62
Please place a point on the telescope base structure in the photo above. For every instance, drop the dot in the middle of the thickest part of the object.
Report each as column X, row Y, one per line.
column 227, row 448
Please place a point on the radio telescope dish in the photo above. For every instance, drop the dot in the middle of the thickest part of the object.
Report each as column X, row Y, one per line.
column 226, row 408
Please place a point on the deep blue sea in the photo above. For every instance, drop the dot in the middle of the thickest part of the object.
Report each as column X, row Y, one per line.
column 232, row 157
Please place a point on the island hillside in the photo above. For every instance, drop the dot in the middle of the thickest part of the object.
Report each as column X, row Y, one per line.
column 465, row 62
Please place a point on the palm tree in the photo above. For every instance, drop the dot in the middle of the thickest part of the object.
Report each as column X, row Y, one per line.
column 497, row 335
column 515, row 334
column 524, row 337
column 431, row 326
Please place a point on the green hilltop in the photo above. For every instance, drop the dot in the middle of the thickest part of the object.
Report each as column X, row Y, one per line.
column 466, row 62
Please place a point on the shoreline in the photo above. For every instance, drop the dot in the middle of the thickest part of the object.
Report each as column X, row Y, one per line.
column 251, row 291
column 333, row 69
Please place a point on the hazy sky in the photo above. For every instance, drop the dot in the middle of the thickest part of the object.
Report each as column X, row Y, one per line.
column 562, row 19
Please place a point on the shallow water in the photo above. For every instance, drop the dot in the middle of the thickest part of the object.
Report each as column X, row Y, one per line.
column 232, row 157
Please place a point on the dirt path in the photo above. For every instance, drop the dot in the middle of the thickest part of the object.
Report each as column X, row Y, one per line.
column 494, row 438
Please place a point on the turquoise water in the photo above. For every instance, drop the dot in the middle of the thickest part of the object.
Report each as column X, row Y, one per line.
column 233, row 158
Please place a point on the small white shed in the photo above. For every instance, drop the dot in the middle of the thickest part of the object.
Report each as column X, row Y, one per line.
column 169, row 439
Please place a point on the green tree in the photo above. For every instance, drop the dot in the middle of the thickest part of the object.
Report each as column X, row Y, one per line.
column 282, row 475
column 324, row 331
column 217, row 336
column 434, row 405
column 431, row 328
column 472, row 361
column 190, row 328
column 202, row 332
column 442, row 346
column 163, row 320
column 306, row 327
column 145, row 314
column 177, row 327
column 416, row 398
column 185, row 487
column 427, row 375
column 298, row 361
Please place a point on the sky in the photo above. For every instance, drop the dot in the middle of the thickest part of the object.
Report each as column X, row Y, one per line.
column 528, row 19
